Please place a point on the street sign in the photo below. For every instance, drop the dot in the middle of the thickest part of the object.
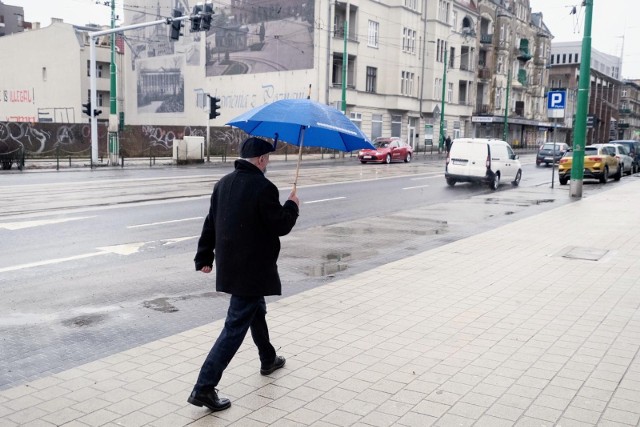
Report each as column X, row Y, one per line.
column 556, row 103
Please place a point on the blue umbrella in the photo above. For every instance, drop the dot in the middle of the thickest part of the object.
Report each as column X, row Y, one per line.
column 303, row 122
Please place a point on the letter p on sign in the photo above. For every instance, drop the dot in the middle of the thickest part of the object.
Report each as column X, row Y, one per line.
column 556, row 103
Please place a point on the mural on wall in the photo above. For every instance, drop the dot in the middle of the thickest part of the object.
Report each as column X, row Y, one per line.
column 157, row 61
column 250, row 38
column 160, row 87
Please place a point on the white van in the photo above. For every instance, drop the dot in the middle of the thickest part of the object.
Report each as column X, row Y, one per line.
column 482, row 160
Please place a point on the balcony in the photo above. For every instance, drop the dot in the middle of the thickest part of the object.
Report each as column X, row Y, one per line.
column 624, row 110
column 486, row 38
column 483, row 109
column 523, row 51
column 484, row 73
column 522, row 77
column 338, row 33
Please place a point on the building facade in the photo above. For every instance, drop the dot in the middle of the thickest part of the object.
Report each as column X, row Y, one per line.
column 12, row 19
column 512, row 73
column 52, row 82
column 604, row 92
column 629, row 113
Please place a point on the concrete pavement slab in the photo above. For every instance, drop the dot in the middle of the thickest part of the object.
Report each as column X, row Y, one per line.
column 533, row 323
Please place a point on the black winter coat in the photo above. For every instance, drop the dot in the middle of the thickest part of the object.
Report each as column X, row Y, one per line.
column 243, row 227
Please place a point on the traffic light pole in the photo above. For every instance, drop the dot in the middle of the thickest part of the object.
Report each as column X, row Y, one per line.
column 92, row 71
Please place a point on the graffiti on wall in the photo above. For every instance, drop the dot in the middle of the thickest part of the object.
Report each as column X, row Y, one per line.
column 24, row 96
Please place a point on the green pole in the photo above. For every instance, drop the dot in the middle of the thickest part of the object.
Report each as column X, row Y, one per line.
column 580, row 126
column 505, row 130
column 345, row 63
column 113, row 109
column 444, row 84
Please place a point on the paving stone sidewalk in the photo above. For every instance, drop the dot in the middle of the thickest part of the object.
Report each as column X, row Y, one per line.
column 536, row 323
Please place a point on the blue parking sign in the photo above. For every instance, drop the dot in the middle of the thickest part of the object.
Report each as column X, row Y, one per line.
column 556, row 100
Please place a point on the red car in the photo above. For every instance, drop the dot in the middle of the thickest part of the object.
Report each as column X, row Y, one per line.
column 387, row 150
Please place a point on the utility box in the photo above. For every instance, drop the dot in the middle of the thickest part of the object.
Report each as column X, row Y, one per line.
column 188, row 150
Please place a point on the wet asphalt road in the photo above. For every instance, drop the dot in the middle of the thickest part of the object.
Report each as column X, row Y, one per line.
column 95, row 263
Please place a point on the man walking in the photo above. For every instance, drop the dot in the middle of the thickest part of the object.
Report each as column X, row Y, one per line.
column 242, row 233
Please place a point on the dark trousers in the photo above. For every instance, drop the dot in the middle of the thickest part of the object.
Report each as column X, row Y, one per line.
column 244, row 313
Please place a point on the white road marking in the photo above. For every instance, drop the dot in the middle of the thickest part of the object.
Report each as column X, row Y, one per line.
column 323, row 200
column 418, row 186
column 19, row 225
column 178, row 239
column 126, row 249
column 165, row 222
column 50, row 261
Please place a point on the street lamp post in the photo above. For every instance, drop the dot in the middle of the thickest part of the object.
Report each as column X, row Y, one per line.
column 466, row 32
column 444, row 85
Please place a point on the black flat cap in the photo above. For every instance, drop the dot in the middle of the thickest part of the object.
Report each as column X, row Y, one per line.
column 254, row 147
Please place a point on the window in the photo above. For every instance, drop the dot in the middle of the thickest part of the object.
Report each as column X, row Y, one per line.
column 500, row 67
column 396, row 125
column 406, row 83
column 443, row 11
column 452, row 56
column 100, row 99
column 564, row 58
column 449, row 92
column 99, row 70
column 372, row 74
column 376, row 125
column 454, row 20
column 503, row 34
column 356, row 118
column 411, row 4
column 437, row 89
column 577, row 58
column 374, row 31
column 498, row 98
column 442, row 46
column 551, row 59
column 408, row 40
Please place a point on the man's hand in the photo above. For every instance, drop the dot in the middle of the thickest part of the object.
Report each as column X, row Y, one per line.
column 293, row 196
column 206, row 269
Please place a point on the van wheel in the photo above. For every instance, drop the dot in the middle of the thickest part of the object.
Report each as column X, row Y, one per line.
column 451, row 182
column 387, row 159
column 408, row 158
column 516, row 181
column 496, row 182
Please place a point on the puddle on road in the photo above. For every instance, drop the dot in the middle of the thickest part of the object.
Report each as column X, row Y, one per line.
column 335, row 262
column 164, row 304
column 160, row 304
column 84, row 320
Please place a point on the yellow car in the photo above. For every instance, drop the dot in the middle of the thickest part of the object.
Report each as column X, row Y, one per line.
column 600, row 163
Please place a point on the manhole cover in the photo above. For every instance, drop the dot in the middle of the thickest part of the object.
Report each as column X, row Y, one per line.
column 587, row 254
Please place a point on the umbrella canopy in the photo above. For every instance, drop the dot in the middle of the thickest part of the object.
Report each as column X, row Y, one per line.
column 303, row 121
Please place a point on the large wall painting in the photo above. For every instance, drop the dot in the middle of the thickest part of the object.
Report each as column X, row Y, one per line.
column 250, row 38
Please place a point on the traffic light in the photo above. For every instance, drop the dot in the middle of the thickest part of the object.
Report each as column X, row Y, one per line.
column 86, row 108
column 206, row 18
column 197, row 18
column 96, row 113
column 176, row 26
column 214, row 104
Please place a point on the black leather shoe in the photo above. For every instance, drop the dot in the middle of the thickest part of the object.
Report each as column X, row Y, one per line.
column 210, row 400
column 277, row 364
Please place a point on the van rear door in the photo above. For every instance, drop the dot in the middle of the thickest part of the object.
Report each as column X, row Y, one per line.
column 468, row 158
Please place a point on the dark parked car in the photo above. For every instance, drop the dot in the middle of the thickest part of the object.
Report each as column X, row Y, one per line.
column 546, row 153
column 633, row 147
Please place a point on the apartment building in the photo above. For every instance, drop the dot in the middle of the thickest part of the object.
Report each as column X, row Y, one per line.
column 514, row 47
column 12, row 19
column 46, row 77
column 628, row 125
column 604, row 93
